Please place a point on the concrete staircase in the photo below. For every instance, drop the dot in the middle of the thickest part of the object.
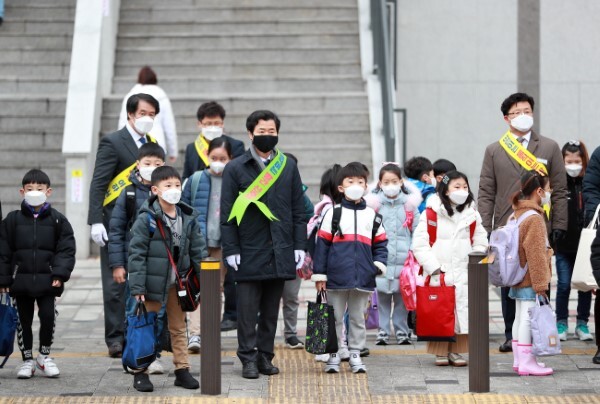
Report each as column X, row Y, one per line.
column 300, row 59
column 35, row 53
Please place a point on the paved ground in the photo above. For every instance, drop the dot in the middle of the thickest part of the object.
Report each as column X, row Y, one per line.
column 396, row 374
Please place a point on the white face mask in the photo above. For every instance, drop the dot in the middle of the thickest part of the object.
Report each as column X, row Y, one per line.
column 391, row 190
column 546, row 198
column 35, row 198
column 354, row 192
column 522, row 122
column 458, row 197
column 433, row 182
column 172, row 196
column 212, row 132
column 146, row 173
column 574, row 169
column 217, row 167
column 144, row 124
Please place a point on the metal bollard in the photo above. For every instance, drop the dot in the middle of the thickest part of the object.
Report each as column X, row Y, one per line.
column 479, row 325
column 210, row 320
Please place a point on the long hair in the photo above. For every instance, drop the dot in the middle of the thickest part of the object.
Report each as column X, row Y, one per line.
column 443, row 187
column 394, row 169
column 577, row 146
column 530, row 182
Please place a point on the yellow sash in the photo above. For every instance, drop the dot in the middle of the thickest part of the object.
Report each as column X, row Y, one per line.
column 202, row 149
column 524, row 157
column 118, row 184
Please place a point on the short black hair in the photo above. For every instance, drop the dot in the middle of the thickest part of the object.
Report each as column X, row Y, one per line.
column 443, row 186
column 220, row 142
column 263, row 115
column 394, row 169
column 151, row 149
column 211, row 108
column 354, row 169
column 417, row 166
column 442, row 166
column 329, row 185
column 513, row 99
column 164, row 173
column 36, row 176
column 134, row 101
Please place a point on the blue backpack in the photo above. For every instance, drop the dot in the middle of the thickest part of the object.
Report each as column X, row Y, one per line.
column 8, row 327
column 139, row 349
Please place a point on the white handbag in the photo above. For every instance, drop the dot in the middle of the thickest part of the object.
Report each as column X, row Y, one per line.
column 583, row 279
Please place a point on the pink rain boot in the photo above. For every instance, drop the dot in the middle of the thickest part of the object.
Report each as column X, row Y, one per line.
column 515, row 351
column 527, row 364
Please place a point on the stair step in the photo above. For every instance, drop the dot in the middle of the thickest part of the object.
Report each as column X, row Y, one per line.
column 10, row 69
column 31, row 85
column 37, row 27
column 50, row 122
column 32, row 159
column 33, row 105
column 12, row 141
column 33, row 56
column 28, row 42
column 235, row 3
column 43, row 12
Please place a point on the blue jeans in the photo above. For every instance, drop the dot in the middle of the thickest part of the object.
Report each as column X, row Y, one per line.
column 564, row 271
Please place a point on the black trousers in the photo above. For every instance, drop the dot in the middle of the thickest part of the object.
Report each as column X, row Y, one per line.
column 253, row 298
column 597, row 317
column 229, row 290
column 508, row 310
column 113, row 295
column 47, row 315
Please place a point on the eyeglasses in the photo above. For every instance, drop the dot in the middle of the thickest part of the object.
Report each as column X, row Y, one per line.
column 526, row 112
column 574, row 143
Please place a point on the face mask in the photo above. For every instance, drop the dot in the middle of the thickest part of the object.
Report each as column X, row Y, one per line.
column 144, row 124
column 546, row 198
column 35, row 198
column 171, row 196
column 354, row 192
column 574, row 169
column 433, row 182
column 458, row 197
column 217, row 167
column 146, row 173
column 212, row 132
column 265, row 143
column 522, row 123
column 391, row 190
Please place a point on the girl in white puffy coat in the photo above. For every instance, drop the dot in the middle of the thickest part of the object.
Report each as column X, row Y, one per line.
column 455, row 209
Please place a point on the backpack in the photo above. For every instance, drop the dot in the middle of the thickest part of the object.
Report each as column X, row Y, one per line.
column 8, row 327
column 195, row 178
column 337, row 216
column 432, row 226
column 504, row 266
column 130, row 203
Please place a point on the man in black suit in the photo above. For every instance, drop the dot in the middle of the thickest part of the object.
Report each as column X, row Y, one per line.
column 211, row 119
column 116, row 156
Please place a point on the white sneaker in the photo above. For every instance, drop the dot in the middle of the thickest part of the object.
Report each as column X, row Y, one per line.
column 583, row 332
column 26, row 370
column 156, row 368
column 322, row 358
column 47, row 366
column 194, row 344
column 333, row 364
column 344, row 354
column 356, row 363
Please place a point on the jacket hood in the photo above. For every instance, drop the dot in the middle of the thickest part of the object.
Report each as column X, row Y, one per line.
column 412, row 199
column 135, row 179
column 352, row 205
column 524, row 205
column 27, row 210
column 421, row 186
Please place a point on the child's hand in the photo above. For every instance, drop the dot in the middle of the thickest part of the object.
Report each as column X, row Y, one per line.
column 56, row 283
column 321, row 286
column 4, row 290
column 139, row 297
column 119, row 274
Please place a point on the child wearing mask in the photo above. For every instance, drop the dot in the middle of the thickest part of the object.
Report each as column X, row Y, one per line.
column 347, row 259
column 534, row 251
column 454, row 210
column 37, row 256
column 419, row 171
column 441, row 167
column 576, row 158
column 150, row 156
column 202, row 191
column 397, row 202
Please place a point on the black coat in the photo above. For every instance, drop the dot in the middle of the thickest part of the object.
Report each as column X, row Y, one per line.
column 193, row 162
column 266, row 247
column 575, row 205
column 35, row 251
column 591, row 185
column 595, row 257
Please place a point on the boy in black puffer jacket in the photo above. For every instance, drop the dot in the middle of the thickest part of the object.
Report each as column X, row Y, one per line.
column 37, row 255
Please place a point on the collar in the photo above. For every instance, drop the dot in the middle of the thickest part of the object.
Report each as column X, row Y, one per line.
column 354, row 206
column 28, row 210
column 261, row 162
column 527, row 136
column 134, row 135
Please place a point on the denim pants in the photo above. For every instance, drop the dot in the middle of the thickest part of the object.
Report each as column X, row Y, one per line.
column 564, row 272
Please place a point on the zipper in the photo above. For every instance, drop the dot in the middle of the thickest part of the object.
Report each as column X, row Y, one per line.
column 34, row 246
column 355, row 242
column 15, row 271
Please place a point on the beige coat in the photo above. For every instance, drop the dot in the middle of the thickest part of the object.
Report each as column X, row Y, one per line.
column 500, row 179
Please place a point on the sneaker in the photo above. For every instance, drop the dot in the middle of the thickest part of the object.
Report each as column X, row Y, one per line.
column 333, row 364
column 402, row 339
column 47, row 366
column 228, row 325
column 562, row 331
column 364, row 352
column 322, row 358
column 294, row 343
column 194, row 344
column 26, row 370
column 156, row 368
column 441, row 361
column 141, row 382
column 456, row 360
column 344, row 354
column 356, row 364
column 382, row 339
column 583, row 332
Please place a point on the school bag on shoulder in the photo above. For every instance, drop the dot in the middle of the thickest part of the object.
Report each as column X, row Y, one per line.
column 8, row 327
column 337, row 216
column 503, row 262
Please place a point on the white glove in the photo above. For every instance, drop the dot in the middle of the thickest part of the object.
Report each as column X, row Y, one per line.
column 299, row 257
column 99, row 234
column 233, row 261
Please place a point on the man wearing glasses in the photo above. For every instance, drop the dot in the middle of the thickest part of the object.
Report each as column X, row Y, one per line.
column 520, row 149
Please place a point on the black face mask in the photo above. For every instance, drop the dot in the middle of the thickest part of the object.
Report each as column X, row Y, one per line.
column 265, row 143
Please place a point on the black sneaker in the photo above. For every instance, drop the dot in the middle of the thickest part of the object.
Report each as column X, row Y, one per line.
column 228, row 325
column 141, row 382
column 250, row 370
column 184, row 379
column 115, row 350
column 596, row 358
column 294, row 343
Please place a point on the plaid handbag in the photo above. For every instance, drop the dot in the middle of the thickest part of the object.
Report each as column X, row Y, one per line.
column 321, row 336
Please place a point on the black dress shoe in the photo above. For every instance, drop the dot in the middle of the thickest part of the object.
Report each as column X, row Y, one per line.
column 141, row 382
column 184, row 379
column 506, row 347
column 115, row 350
column 596, row 358
column 250, row 371
column 266, row 367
